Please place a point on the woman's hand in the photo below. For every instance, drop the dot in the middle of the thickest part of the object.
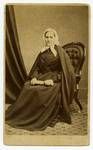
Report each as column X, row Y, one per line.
column 34, row 81
column 49, row 82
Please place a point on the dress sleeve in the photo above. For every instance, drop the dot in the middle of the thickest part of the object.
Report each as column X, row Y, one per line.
column 35, row 69
column 35, row 73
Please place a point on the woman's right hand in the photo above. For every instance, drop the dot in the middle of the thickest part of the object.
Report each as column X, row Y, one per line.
column 33, row 81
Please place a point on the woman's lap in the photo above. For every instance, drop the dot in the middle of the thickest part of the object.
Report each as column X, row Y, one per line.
column 38, row 103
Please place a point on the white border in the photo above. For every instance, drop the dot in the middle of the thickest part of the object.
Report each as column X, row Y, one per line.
column 2, row 3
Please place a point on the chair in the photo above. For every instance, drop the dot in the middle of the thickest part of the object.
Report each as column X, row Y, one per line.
column 76, row 52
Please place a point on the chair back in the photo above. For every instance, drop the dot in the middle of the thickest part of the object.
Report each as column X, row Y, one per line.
column 76, row 52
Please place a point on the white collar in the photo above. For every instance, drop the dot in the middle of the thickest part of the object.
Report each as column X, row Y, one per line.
column 53, row 50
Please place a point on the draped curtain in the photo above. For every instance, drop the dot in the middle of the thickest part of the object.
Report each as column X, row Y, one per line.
column 14, row 67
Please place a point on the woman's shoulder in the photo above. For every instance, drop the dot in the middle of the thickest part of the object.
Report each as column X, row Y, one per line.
column 44, row 49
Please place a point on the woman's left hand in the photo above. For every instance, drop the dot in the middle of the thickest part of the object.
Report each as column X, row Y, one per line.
column 49, row 82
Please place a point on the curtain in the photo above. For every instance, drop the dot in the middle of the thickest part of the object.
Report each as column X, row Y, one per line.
column 15, row 72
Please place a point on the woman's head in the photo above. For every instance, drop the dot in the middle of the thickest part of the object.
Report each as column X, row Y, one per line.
column 50, row 37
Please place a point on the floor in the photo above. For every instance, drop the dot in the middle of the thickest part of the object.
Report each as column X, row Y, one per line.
column 78, row 126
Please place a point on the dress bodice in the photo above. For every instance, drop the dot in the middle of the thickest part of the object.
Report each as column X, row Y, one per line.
column 48, row 66
column 48, row 62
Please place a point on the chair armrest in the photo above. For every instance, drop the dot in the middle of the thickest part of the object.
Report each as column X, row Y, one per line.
column 78, row 77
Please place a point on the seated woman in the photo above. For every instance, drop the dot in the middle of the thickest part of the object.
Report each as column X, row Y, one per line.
column 48, row 92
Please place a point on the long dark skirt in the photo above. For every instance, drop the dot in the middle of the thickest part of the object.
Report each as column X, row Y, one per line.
column 36, row 107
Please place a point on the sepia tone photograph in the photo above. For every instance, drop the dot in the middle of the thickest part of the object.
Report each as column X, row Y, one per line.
column 46, row 74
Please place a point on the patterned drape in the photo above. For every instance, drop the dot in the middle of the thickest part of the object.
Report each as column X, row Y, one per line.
column 14, row 67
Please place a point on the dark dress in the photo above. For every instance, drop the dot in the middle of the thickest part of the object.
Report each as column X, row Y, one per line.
column 39, row 105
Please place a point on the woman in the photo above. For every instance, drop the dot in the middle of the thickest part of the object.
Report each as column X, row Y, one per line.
column 48, row 93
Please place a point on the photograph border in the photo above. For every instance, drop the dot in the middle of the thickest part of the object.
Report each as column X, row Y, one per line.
column 89, row 97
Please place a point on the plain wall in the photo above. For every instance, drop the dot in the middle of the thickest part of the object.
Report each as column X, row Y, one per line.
column 70, row 22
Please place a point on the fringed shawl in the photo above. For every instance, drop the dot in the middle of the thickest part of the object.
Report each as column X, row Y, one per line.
column 68, row 82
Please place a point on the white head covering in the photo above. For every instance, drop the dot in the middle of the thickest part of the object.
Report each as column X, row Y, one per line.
column 56, row 40
column 55, row 34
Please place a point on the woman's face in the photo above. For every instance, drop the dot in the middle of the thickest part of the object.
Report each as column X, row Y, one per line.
column 49, row 39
